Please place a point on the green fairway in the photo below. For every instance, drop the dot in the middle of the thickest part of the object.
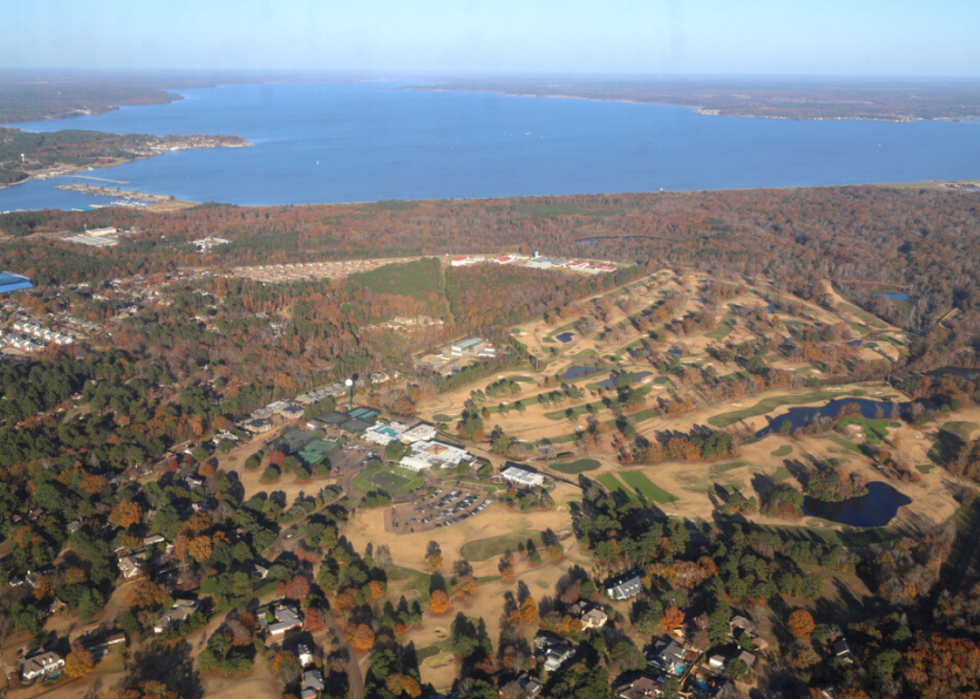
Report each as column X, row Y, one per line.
column 573, row 468
column 874, row 430
column 614, row 485
column 391, row 479
column 872, row 320
column 645, row 487
column 784, row 450
column 768, row 405
column 724, row 328
column 485, row 549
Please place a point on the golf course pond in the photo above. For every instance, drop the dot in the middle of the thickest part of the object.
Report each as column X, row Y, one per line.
column 876, row 509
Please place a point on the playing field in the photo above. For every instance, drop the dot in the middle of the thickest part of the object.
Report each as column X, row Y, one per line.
column 645, row 487
column 392, row 480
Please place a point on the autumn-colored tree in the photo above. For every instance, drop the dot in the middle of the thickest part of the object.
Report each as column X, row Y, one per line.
column 399, row 629
column 73, row 576
column 465, row 587
column 126, row 514
column 399, row 684
column 200, row 548
column 92, row 483
column 363, row 638
column 143, row 593
column 529, row 610
column 149, row 689
column 434, row 561
column 247, row 620
column 42, row 588
column 286, row 667
column 312, row 620
column 800, row 623
column 198, row 523
column 297, row 588
column 79, row 663
column 377, row 589
column 507, row 572
column 345, row 601
column 205, row 470
column 672, row 618
column 555, row 552
column 439, row 601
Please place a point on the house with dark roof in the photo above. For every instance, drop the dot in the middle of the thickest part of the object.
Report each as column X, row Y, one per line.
column 642, row 687
column 625, row 586
column 667, row 655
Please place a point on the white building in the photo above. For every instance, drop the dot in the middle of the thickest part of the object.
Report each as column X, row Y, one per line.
column 383, row 433
column 41, row 666
column 523, row 476
column 426, row 455
column 421, row 432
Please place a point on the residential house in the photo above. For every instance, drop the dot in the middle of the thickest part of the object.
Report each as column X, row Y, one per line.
column 287, row 617
column 41, row 665
column 668, row 655
column 625, row 586
column 842, row 649
column 591, row 616
column 642, row 687
column 554, row 649
column 313, row 683
column 131, row 566
column 745, row 657
column 181, row 611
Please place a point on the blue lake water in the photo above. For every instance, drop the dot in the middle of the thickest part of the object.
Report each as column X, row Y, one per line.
column 801, row 416
column 876, row 509
column 344, row 142
column 611, row 382
column 565, row 337
column 894, row 296
column 577, row 372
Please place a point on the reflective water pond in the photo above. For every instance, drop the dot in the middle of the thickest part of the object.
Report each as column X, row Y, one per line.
column 876, row 509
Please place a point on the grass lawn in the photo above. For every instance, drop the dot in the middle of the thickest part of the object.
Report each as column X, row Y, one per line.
column 391, row 479
column 874, row 430
column 485, row 549
column 953, row 436
column 781, row 474
column 573, row 468
column 614, row 485
column 784, row 450
column 645, row 487
column 718, row 469
column 872, row 320
column 442, row 417
column 584, row 355
column 724, row 329
column 412, row 579
column 768, row 405
column 847, row 444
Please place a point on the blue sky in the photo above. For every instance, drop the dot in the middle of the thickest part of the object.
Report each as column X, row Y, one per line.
column 822, row 37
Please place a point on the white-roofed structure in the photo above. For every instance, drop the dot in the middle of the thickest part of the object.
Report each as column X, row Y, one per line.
column 523, row 476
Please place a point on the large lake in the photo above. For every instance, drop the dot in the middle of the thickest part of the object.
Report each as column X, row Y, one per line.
column 337, row 142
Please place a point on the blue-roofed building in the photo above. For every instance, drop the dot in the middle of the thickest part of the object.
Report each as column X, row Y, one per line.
column 13, row 282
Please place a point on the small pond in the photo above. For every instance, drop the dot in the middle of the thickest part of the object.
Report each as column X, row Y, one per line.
column 801, row 416
column 675, row 352
column 611, row 381
column 876, row 509
column 961, row 371
column 577, row 372
column 565, row 337
column 772, row 308
column 856, row 343
column 893, row 295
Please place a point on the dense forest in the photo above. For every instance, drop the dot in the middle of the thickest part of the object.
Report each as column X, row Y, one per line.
column 863, row 240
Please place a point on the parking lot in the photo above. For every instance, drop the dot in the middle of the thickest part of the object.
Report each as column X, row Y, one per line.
column 447, row 506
